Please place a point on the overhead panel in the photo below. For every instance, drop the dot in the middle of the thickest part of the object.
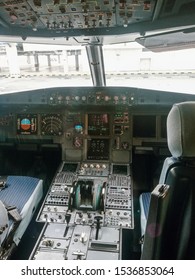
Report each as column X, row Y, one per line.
column 74, row 14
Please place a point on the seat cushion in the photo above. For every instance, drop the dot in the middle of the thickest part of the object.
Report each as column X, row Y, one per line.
column 144, row 200
column 24, row 193
column 3, row 222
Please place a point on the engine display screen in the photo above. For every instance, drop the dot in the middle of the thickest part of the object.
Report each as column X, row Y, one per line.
column 98, row 124
column 98, row 149
column 70, row 167
column 120, row 169
column 27, row 124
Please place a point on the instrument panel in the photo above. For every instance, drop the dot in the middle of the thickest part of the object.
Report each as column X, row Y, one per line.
column 103, row 126
column 93, row 135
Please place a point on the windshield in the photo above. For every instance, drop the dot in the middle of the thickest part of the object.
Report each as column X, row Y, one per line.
column 133, row 65
column 30, row 66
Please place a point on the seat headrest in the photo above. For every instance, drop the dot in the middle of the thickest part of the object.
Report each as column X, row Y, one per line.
column 181, row 130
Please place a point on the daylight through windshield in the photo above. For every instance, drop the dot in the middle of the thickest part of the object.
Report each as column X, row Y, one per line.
column 127, row 64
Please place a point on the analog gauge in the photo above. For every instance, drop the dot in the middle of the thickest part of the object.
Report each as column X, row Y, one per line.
column 77, row 98
column 51, row 124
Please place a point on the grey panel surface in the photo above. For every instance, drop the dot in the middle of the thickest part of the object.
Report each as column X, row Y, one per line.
column 100, row 255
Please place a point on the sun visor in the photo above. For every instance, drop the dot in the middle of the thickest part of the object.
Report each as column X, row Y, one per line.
column 183, row 39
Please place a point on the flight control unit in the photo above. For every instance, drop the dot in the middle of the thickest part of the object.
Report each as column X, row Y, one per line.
column 85, row 211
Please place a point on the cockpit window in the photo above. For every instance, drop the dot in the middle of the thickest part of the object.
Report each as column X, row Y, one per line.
column 45, row 65
column 131, row 64
column 29, row 66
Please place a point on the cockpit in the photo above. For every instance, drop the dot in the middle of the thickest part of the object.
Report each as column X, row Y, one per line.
column 79, row 161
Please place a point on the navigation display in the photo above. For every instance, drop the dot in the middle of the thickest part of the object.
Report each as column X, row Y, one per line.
column 98, row 124
column 27, row 124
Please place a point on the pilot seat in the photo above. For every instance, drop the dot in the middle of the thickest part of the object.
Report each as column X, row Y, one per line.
column 19, row 198
column 169, row 231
